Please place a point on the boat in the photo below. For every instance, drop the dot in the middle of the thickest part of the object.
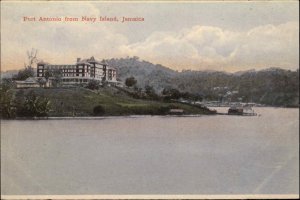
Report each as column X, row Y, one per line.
column 241, row 110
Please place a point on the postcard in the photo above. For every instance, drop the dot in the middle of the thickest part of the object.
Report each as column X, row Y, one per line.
column 149, row 99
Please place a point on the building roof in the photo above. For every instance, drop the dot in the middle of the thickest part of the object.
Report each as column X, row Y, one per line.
column 29, row 80
column 93, row 60
column 87, row 61
column 82, row 62
column 109, row 67
column 43, row 63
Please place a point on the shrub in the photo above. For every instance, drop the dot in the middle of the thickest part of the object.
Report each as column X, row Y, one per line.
column 24, row 73
column 7, row 109
column 98, row 110
column 32, row 105
column 93, row 85
column 129, row 82
column 163, row 110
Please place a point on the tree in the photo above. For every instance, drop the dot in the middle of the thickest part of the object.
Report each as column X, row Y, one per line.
column 98, row 110
column 93, row 84
column 7, row 84
column 6, row 99
column 32, row 57
column 19, row 101
column 28, row 67
column 42, row 82
column 35, row 106
column 24, row 74
column 129, row 82
column 57, row 77
column 150, row 92
column 171, row 93
column 47, row 75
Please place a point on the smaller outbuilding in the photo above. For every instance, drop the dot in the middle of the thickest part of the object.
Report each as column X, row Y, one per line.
column 176, row 111
column 32, row 82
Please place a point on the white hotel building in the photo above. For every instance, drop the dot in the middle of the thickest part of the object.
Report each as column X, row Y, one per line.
column 81, row 72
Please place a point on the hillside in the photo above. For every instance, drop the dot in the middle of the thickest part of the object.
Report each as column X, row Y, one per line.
column 9, row 73
column 145, row 72
column 81, row 102
column 273, row 86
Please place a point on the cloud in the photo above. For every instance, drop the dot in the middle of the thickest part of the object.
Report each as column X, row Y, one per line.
column 207, row 47
column 57, row 42
column 184, row 47
column 270, row 46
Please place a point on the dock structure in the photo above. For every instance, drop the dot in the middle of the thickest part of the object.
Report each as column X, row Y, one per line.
column 176, row 111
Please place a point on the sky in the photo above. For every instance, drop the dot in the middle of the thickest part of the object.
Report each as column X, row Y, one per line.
column 225, row 36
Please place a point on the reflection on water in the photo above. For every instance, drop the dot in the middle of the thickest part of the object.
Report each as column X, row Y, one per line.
column 153, row 155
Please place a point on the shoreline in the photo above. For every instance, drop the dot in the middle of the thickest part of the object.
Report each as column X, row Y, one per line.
column 102, row 117
column 132, row 116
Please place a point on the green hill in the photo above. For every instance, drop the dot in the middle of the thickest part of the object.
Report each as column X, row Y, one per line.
column 272, row 86
column 115, row 102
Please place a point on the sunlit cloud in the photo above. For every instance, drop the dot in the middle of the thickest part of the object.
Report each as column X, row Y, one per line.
column 203, row 47
column 196, row 46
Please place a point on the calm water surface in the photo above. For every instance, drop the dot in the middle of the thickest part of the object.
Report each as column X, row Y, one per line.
column 153, row 155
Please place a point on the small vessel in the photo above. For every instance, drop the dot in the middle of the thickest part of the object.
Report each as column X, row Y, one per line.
column 241, row 110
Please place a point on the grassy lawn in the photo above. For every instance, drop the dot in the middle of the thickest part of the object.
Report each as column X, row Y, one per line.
column 81, row 102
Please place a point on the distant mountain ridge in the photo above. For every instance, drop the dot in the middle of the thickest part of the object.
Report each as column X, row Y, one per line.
column 272, row 86
column 8, row 73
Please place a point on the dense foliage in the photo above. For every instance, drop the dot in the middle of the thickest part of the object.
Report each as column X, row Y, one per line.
column 6, row 99
column 273, row 86
column 24, row 74
column 129, row 82
column 98, row 110
column 93, row 85
column 21, row 104
column 152, row 89
column 56, row 75
column 31, row 105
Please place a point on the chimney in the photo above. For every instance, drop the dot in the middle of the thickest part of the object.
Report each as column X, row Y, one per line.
column 78, row 59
